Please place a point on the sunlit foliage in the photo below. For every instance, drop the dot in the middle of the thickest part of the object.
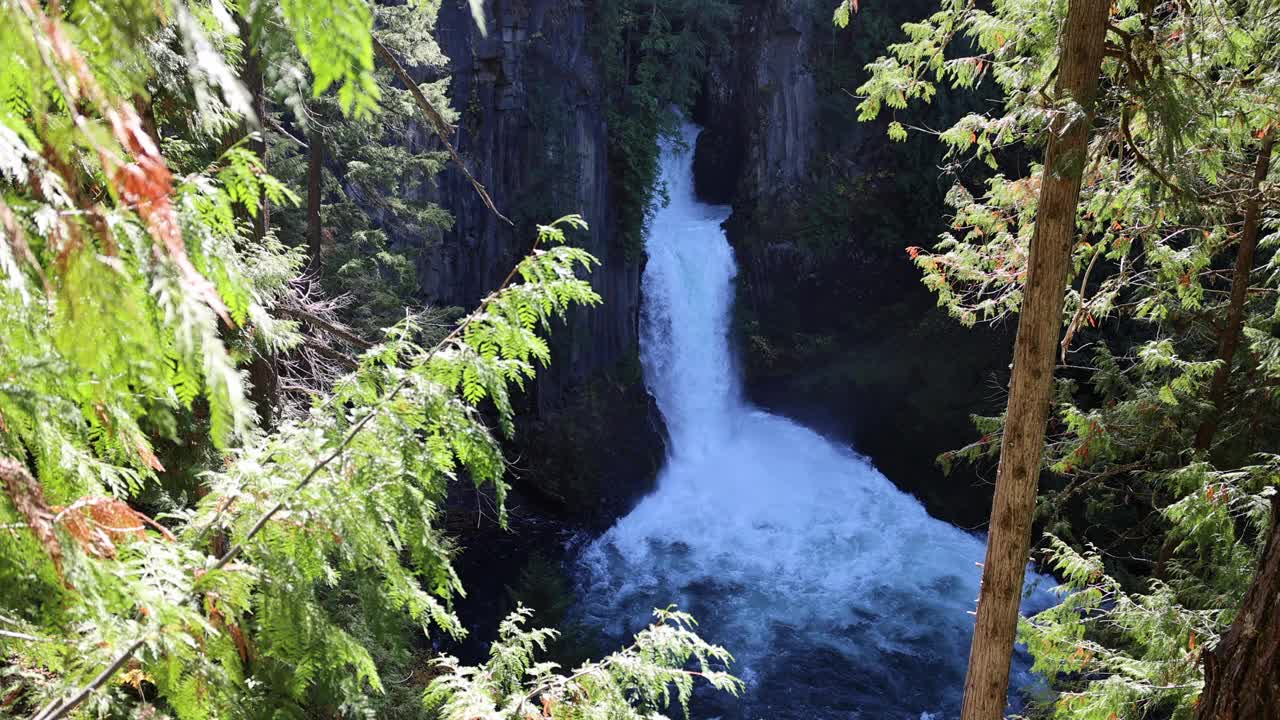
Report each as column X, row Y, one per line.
column 1157, row 483
column 136, row 284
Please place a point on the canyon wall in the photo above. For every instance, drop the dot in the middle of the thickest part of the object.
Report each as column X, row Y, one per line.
column 532, row 130
column 834, row 326
column 832, row 323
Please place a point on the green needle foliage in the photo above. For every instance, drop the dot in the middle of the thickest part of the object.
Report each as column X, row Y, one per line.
column 134, row 290
column 1160, row 455
column 654, row 54
column 638, row 682
column 374, row 173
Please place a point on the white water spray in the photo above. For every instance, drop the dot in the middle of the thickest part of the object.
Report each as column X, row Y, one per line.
column 838, row 594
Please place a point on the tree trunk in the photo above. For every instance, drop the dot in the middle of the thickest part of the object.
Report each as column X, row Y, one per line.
column 1009, row 537
column 251, row 76
column 1242, row 674
column 253, row 69
column 315, row 181
column 264, row 378
column 1229, row 340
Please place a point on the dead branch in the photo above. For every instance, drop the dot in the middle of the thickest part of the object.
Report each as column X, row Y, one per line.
column 442, row 128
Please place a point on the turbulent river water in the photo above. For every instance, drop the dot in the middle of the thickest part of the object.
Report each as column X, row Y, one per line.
column 838, row 594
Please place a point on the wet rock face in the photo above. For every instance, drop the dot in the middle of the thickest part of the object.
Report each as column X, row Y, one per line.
column 760, row 108
column 786, row 96
column 534, row 134
column 834, row 326
column 532, row 129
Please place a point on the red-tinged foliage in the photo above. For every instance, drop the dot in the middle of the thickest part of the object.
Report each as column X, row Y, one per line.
column 219, row 620
column 149, row 457
column 101, row 524
column 147, row 185
column 140, row 180
column 17, row 238
column 27, row 497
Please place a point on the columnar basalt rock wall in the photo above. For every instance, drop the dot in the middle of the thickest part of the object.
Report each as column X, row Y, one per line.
column 833, row 324
column 533, row 132
column 532, row 129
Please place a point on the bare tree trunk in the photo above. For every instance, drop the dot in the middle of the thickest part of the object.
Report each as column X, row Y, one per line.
column 1242, row 674
column 315, row 182
column 987, row 682
column 1229, row 340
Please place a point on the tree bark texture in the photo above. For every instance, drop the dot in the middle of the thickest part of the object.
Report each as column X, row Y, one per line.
column 315, row 183
column 1242, row 674
column 1009, row 536
column 264, row 379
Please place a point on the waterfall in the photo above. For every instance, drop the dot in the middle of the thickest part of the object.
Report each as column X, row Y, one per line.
column 838, row 594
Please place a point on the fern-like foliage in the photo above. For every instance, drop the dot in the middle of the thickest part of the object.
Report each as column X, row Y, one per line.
column 132, row 292
column 1118, row 649
column 639, row 682
column 403, row 426
column 1160, row 448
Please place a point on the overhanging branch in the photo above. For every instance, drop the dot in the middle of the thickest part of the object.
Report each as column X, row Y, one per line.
column 442, row 129
column 61, row 708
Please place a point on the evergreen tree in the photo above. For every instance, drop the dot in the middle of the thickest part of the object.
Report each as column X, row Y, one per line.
column 367, row 179
column 1160, row 452
column 1049, row 252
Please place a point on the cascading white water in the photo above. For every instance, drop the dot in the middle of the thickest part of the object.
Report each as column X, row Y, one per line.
column 838, row 594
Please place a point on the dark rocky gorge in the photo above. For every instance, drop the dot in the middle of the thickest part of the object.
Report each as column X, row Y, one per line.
column 832, row 325
column 833, row 321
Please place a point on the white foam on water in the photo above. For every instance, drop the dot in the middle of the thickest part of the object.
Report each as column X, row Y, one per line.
column 787, row 547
